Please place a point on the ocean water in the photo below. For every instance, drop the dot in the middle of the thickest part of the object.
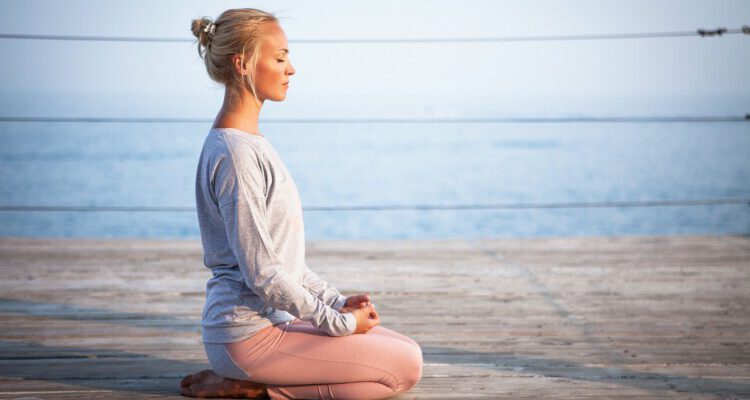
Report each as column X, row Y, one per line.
column 392, row 167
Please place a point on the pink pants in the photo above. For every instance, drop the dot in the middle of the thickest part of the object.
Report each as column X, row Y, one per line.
column 298, row 361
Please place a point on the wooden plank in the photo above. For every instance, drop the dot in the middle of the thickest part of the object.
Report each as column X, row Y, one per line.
column 628, row 317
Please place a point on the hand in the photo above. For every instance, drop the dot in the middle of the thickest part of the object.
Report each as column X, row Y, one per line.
column 367, row 318
column 355, row 303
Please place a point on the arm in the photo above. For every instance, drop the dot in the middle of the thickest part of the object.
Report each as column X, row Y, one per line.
column 322, row 289
column 241, row 196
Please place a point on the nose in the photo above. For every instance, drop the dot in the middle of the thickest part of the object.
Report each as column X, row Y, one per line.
column 290, row 70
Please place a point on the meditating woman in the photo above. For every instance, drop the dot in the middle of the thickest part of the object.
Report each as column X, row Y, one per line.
column 271, row 326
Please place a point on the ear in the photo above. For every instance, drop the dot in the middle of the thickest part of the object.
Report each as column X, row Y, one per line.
column 237, row 63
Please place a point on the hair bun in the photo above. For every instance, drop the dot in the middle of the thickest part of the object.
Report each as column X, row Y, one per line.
column 201, row 29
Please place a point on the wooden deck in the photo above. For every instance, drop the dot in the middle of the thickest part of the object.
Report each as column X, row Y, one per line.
column 574, row 318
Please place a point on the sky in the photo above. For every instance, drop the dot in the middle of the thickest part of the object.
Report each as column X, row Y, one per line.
column 630, row 77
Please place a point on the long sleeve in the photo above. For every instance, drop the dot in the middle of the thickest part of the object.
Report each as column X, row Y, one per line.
column 240, row 191
column 322, row 289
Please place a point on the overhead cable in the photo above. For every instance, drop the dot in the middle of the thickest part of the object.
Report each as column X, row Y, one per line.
column 541, row 38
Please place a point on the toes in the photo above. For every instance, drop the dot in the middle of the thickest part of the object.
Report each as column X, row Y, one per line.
column 202, row 391
column 191, row 384
column 186, row 380
column 185, row 390
column 195, row 390
column 190, row 378
column 207, row 383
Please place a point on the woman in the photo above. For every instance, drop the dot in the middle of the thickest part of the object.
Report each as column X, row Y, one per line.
column 271, row 326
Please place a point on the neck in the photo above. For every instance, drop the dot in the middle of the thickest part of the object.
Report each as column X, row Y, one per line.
column 242, row 115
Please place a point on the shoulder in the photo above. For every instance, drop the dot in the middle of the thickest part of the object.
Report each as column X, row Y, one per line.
column 238, row 161
column 235, row 151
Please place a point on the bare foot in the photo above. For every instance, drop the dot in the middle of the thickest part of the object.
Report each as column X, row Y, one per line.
column 208, row 384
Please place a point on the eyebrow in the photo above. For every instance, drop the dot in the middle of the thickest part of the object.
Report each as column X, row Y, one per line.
column 284, row 50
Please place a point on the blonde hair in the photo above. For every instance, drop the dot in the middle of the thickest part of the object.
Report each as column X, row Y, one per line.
column 229, row 35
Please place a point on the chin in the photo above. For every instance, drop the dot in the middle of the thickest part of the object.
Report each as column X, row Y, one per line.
column 277, row 97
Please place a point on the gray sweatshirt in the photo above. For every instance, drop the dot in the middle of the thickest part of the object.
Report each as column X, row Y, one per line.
column 253, row 238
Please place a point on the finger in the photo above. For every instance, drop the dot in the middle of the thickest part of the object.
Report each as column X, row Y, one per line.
column 372, row 313
column 361, row 300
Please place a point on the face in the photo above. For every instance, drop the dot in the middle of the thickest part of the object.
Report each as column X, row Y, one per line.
column 274, row 69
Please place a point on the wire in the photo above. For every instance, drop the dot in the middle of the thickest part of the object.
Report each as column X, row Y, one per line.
column 635, row 119
column 605, row 36
column 94, row 38
column 499, row 206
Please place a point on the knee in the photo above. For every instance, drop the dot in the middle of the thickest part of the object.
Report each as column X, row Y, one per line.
column 411, row 371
